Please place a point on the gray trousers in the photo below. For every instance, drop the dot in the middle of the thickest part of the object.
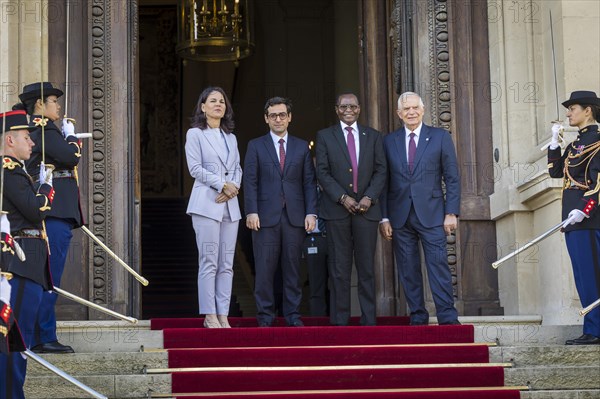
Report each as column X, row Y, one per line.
column 216, row 249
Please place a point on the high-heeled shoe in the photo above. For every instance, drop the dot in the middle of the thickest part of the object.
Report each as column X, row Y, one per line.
column 210, row 321
column 223, row 321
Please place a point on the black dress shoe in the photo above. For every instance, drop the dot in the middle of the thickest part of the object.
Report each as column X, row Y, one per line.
column 419, row 323
column 451, row 323
column 296, row 323
column 586, row 339
column 52, row 347
column 265, row 324
column 570, row 341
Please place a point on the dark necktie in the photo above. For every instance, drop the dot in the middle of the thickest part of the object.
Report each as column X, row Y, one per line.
column 352, row 151
column 281, row 154
column 412, row 150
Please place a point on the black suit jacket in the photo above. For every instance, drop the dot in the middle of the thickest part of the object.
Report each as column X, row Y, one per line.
column 334, row 170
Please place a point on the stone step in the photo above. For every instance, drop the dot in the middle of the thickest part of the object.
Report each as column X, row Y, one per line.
column 522, row 334
column 549, row 378
column 121, row 336
column 546, row 356
column 101, row 363
column 119, row 386
column 109, row 336
column 562, row 394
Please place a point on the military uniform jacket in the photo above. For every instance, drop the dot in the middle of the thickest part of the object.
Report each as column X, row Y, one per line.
column 10, row 335
column 64, row 155
column 26, row 210
column 579, row 166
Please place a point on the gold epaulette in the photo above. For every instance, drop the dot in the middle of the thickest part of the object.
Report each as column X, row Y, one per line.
column 9, row 164
column 40, row 121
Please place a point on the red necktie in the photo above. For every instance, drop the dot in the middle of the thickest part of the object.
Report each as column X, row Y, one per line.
column 412, row 150
column 281, row 154
column 352, row 151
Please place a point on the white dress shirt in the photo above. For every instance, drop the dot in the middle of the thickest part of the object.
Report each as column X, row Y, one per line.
column 417, row 133
column 276, row 139
column 354, row 127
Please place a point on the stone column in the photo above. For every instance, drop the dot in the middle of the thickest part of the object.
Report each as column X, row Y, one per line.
column 23, row 46
column 526, row 202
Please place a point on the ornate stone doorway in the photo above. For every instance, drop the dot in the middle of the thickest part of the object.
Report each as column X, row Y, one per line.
column 378, row 49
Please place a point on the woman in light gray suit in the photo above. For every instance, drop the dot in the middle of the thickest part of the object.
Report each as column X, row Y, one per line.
column 214, row 162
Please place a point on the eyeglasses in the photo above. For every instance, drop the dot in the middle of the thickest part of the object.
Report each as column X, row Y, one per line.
column 281, row 115
column 344, row 107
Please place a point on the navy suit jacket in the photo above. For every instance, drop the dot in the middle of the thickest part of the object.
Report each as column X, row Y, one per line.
column 435, row 160
column 266, row 187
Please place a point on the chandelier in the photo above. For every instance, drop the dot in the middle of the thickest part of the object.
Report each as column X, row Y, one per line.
column 214, row 30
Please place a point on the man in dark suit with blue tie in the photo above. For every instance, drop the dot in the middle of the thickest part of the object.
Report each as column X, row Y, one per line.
column 419, row 158
column 351, row 168
column 280, row 198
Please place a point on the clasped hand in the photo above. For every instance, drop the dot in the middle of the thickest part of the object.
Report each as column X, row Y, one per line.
column 354, row 207
column 229, row 191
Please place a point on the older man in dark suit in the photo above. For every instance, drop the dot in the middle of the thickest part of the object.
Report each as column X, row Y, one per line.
column 280, row 198
column 351, row 169
column 419, row 158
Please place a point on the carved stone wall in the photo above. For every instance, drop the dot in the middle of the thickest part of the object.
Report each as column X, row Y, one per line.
column 113, row 183
column 101, row 95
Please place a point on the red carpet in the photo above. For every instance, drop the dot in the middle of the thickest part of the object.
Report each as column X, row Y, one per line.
column 366, row 378
column 314, row 336
column 327, row 356
column 159, row 324
column 456, row 394
column 391, row 360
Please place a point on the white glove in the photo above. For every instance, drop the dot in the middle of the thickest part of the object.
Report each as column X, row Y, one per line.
column 45, row 175
column 4, row 290
column 4, row 224
column 575, row 216
column 68, row 129
column 556, row 129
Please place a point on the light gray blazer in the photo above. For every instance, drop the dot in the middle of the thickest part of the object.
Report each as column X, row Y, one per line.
column 211, row 167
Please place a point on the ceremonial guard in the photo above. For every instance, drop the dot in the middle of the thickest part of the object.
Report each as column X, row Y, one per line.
column 27, row 208
column 579, row 166
column 10, row 335
column 63, row 152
